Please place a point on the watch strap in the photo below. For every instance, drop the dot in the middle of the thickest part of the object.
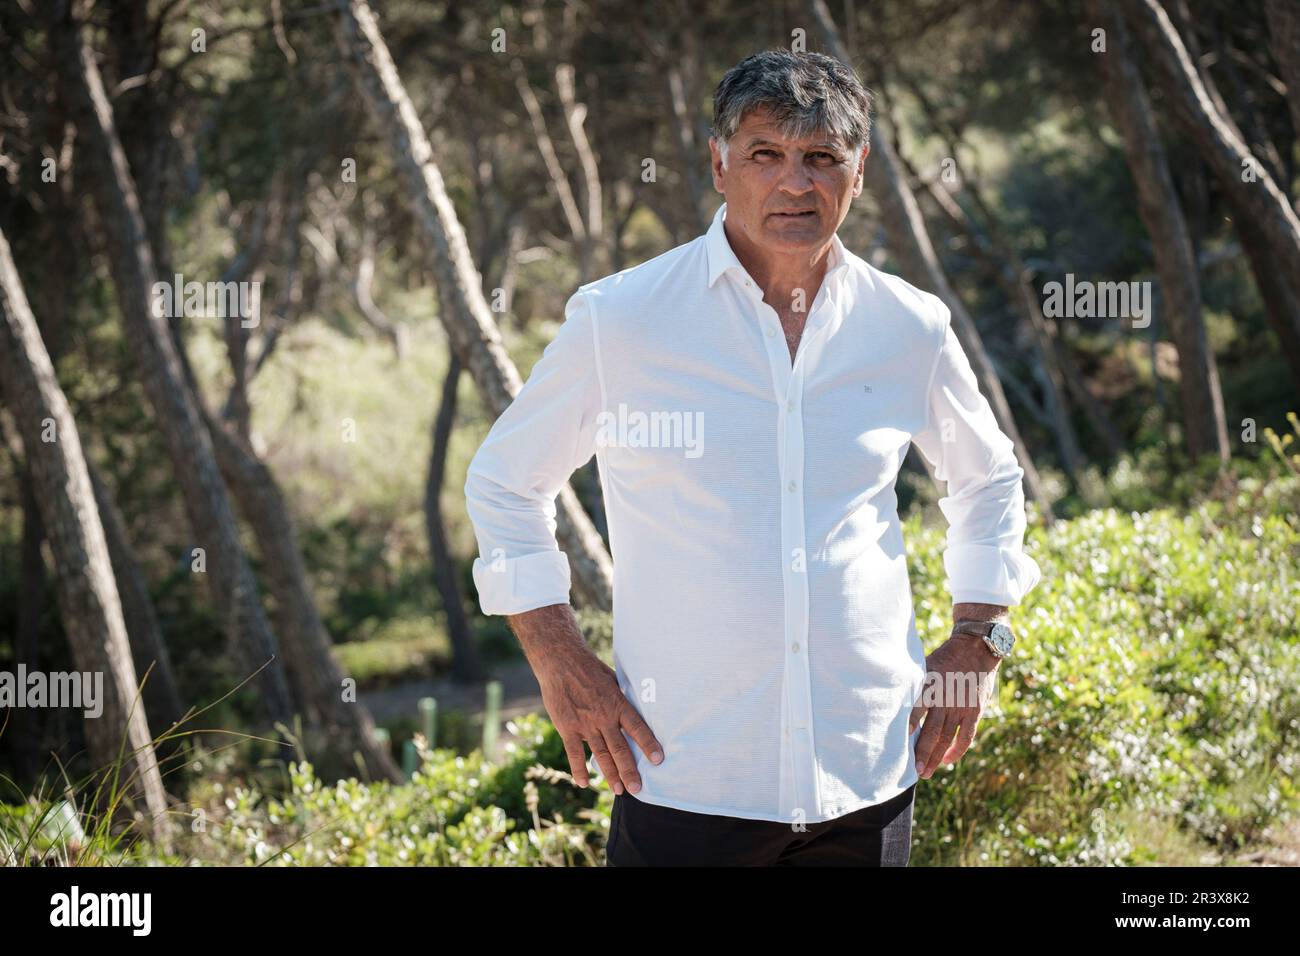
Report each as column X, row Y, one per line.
column 974, row 628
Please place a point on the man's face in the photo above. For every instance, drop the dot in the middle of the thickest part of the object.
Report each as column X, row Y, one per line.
column 786, row 196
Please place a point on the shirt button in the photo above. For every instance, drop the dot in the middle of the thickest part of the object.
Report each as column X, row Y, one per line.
column 789, row 406
column 791, row 486
column 770, row 331
column 795, row 648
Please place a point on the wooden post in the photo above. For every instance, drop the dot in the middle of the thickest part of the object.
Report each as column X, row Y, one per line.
column 429, row 720
column 491, row 720
column 410, row 759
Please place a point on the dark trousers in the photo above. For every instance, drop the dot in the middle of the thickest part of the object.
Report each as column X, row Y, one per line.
column 644, row 834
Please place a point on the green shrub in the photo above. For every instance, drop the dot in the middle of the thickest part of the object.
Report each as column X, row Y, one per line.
column 1157, row 674
column 1153, row 702
column 456, row 811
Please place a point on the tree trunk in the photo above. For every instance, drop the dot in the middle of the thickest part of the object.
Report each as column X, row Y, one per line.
column 162, row 701
column 27, row 724
column 909, row 241
column 470, row 327
column 594, row 253
column 466, row 665
column 1015, row 277
column 230, row 578
column 1204, row 425
column 87, row 594
column 692, row 156
column 1253, row 191
column 315, row 675
column 1281, row 305
column 1283, row 17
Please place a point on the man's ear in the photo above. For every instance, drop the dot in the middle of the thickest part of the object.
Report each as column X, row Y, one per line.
column 862, row 165
column 715, row 163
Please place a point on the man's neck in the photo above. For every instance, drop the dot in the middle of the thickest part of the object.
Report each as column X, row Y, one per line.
column 780, row 276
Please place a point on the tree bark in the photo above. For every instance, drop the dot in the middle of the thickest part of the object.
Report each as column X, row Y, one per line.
column 87, row 594
column 551, row 160
column 689, row 151
column 593, row 257
column 470, row 327
column 1010, row 271
column 162, row 701
column 28, row 724
column 1204, row 424
column 909, row 241
column 467, row 667
column 230, row 578
column 1283, row 18
column 313, row 672
column 1246, row 180
column 316, row 676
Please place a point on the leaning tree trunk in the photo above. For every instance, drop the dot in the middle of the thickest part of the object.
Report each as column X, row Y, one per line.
column 1246, row 180
column 470, row 327
column 162, row 701
column 1281, row 299
column 86, row 591
column 909, row 241
column 498, row 262
column 1283, row 18
column 1204, row 424
column 1281, row 306
column 1010, row 271
column 230, row 578
column 316, row 675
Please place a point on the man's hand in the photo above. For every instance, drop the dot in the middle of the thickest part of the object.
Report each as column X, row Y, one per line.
column 584, row 702
column 583, row 699
column 959, row 681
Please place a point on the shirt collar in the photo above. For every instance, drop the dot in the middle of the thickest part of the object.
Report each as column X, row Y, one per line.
column 722, row 258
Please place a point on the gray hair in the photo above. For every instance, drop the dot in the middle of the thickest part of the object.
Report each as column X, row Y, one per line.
column 807, row 93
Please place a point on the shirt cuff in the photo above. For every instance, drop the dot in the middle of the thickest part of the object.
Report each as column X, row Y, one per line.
column 515, row 585
column 983, row 574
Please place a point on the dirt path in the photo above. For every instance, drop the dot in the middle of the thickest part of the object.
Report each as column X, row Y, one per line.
column 520, row 694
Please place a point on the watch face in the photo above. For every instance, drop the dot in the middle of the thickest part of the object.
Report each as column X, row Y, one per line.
column 1002, row 638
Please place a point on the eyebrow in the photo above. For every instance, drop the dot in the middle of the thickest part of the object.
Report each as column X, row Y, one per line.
column 763, row 142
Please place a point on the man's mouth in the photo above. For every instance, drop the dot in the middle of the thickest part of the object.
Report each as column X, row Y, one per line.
column 796, row 214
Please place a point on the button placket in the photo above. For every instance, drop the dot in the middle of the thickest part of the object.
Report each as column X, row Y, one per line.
column 798, row 746
column 798, row 663
column 793, row 533
column 797, row 743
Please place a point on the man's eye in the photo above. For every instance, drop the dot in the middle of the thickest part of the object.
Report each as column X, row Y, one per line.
column 824, row 156
column 764, row 152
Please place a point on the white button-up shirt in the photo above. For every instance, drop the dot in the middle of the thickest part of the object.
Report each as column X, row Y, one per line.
column 763, row 621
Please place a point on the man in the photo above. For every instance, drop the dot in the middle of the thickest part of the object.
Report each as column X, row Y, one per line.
column 749, row 397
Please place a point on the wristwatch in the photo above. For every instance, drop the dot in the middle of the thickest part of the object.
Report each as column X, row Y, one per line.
column 996, row 635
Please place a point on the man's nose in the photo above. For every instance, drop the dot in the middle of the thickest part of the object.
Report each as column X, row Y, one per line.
column 795, row 178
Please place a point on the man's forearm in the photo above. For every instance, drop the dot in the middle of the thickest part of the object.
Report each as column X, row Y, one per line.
column 550, row 637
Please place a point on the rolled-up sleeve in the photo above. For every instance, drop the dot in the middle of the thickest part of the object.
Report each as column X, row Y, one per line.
column 542, row 437
column 984, row 503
